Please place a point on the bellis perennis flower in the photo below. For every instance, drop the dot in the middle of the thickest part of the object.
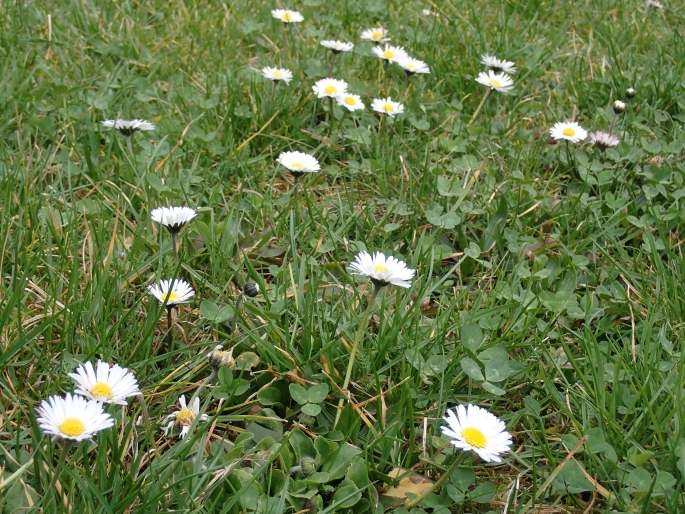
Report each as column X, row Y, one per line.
column 184, row 417
column 329, row 88
column 104, row 383
column 287, row 16
column 387, row 106
column 72, row 417
column 172, row 292
column 337, row 46
column 277, row 74
column 603, row 140
column 382, row 269
column 376, row 34
column 498, row 65
column 390, row 53
column 470, row 427
column 412, row 66
column 350, row 102
column 173, row 218
column 128, row 127
column 568, row 131
column 500, row 82
column 298, row 162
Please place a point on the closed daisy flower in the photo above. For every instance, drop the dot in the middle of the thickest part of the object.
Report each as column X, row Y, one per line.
column 172, row 292
column 329, row 88
column 473, row 428
column 173, row 218
column 603, row 140
column 350, row 102
column 219, row 357
column 287, row 16
column 382, row 269
column 337, row 46
column 500, row 82
column 184, row 417
column 568, row 131
column 72, row 417
column 277, row 74
column 298, row 162
column 387, row 106
column 498, row 65
column 390, row 53
column 104, row 383
column 376, row 34
column 128, row 127
column 412, row 66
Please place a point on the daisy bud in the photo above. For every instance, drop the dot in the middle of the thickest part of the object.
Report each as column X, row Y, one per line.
column 619, row 107
column 630, row 92
column 218, row 358
column 251, row 288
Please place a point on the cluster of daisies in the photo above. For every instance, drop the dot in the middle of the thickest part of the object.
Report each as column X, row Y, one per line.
column 498, row 75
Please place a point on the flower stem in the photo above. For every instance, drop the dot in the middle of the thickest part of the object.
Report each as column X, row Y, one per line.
column 437, row 485
column 169, row 334
column 480, row 106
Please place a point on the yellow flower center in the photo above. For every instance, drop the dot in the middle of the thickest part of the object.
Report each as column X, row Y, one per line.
column 349, row 100
column 380, row 268
column 569, row 132
column 388, row 54
column 277, row 74
column 102, row 391
column 410, row 66
column 376, row 35
column 297, row 165
column 286, row 16
column 171, row 297
column 388, row 107
column 185, row 417
column 73, row 427
column 474, row 437
column 330, row 89
column 495, row 83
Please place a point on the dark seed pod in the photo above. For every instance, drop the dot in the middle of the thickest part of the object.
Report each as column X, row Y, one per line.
column 251, row 288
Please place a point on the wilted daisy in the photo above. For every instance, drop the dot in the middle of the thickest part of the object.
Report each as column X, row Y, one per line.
column 603, row 140
column 382, row 269
column 329, row 88
column 104, row 383
column 172, row 292
column 287, row 16
column 412, row 66
column 337, row 46
column 219, row 357
column 173, row 218
column 185, row 416
column 473, row 428
column 277, row 74
column 376, row 34
column 128, row 127
column 390, row 53
column 500, row 82
column 72, row 417
column 350, row 102
column 387, row 106
column 496, row 64
column 298, row 162
column 569, row 131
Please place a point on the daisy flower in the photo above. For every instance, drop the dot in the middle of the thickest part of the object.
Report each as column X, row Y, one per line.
column 298, row 162
column 350, row 102
column 72, row 417
column 337, row 46
column 382, row 269
column 390, row 53
column 173, row 218
column 376, row 34
column 287, row 16
column 103, row 383
column 277, row 74
column 568, row 130
column 473, row 428
column 387, row 106
column 128, row 127
column 184, row 417
column 499, row 65
column 219, row 357
column 171, row 292
column 500, row 82
column 329, row 88
column 603, row 140
column 412, row 66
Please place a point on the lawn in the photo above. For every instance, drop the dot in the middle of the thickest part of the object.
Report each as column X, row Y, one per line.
column 548, row 271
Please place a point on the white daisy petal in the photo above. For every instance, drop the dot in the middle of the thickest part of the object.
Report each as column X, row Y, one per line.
column 568, row 131
column 128, row 127
column 390, row 53
column 172, row 292
column 110, row 385
column 382, row 269
column 498, row 65
column 299, row 162
column 387, row 106
column 473, row 428
column 337, row 46
column 376, row 34
column 185, row 416
column 413, row 66
column 72, row 417
column 173, row 218
column 287, row 16
column 329, row 88
column 277, row 74
column 350, row 102
column 500, row 82
column 604, row 140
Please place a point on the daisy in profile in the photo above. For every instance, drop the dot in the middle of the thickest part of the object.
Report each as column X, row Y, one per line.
column 173, row 218
column 105, row 383
column 329, row 88
column 390, row 53
column 350, row 102
column 387, row 106
column 184, row 417
column 287, row 16
column 337, row 46
column 382, row 269
column 568, row 131
column 603, row 140
column 171, row 292
column 128, row 127
column 413, row 66
column 277, row 74
column 298, row 163
column 376, row 35
column 473, row 428
column 498, row 65
column 72, row 417
column 500, row 82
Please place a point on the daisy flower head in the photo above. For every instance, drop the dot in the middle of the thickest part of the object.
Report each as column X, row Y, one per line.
column 412, row 66
column 185, row 416
column 498, row 65
column 72, row 417
column 337, row 46
column 387, row 106
column 173, row 218
column 568, row 131
column 219, row 357
column 382, row 269
column 390, row 53
column 329, row 88
column 473, row 428
column 350, row 102
column 298, row 162
column 277, row 74
column 128, row 127
column 500, row 82
column 376, row 34
column 287, row 16
column 603, row 140
column 105, row 383
column 171, row 292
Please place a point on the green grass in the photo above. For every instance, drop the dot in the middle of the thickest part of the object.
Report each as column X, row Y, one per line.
column 548, row 287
